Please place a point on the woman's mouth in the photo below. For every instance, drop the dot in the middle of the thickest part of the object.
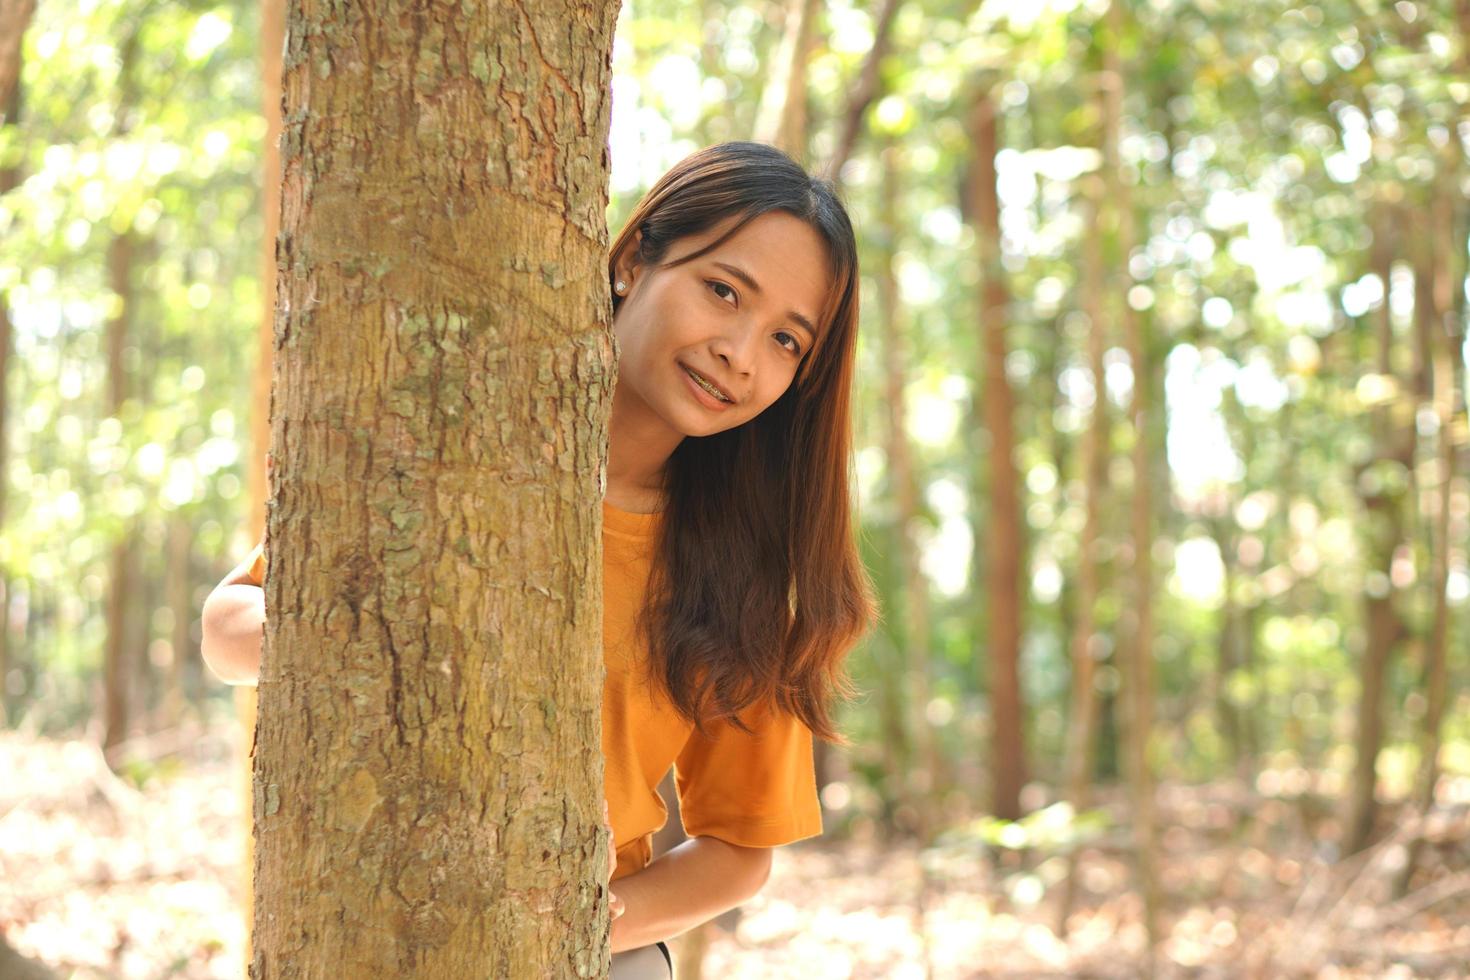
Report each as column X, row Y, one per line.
column 704, row 387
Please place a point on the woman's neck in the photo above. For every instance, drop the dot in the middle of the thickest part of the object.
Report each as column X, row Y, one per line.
column 639, row 444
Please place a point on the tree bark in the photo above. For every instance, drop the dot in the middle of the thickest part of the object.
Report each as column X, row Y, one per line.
column 1000, row 536
column 428, row 782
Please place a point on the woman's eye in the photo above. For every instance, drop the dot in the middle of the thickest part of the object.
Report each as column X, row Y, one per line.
column 794, row 346
column 716, row 286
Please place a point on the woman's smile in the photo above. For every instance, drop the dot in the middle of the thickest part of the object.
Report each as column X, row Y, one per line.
column 705, row 390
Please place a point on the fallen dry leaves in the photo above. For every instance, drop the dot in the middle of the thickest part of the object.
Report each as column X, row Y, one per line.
column 101, row 879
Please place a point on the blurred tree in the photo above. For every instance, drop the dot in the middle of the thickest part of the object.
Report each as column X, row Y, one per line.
column 783, row 114
column 15, row 18
column 916, row 768
column 1382, row 484
column 1438, row 327
column 865, row 89
column 178, row 577
column 430, row 552
column 1138, row 650
column 1001, row 529
column 1085, row 641
column 122, row 661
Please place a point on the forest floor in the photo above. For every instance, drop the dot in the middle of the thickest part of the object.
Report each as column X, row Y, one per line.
column 100, row 878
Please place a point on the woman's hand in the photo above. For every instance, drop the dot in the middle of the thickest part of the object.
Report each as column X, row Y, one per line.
column 614, row 904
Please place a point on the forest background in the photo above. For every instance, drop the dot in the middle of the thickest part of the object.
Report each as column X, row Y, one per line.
column 1162, row 455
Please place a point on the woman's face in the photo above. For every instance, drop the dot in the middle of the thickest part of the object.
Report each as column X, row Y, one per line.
column 741, row 317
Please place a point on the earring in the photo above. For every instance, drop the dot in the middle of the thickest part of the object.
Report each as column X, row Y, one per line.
column 619, row 286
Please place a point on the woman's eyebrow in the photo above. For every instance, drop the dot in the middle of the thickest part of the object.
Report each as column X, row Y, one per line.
column 744, row 277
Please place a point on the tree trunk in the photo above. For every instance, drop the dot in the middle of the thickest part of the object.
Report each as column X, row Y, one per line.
column 5, row 580
column 1137, row 650
column 120, row 661
column 1000, row 535
column 428, row 791
column 14, row 966
column 1219, row 519
column 782, row 120
column 923, row 775
column 1381, row 482
column 119, row 658
column 869, row 82
column 1227, row 641
column 15, row 17
column 1441, row 341
column 1082, row 720
column 177, row 580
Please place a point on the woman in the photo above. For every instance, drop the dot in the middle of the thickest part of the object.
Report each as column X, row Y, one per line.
column 732, row 586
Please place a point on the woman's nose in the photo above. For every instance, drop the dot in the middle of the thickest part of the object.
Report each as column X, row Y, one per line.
column 736, row 347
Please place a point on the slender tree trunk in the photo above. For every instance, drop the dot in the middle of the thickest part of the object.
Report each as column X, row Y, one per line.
column 1441, row 341
column 869, row 83
column 1230, row 641
column 1227, row 643
column 1382, row 495
column 782, row 120
column 925, row 775
column 1137, row 661
column 9, row 178
column 1084, row 645
column 15, row 18
column 428, row 770
column 177, row 581
column 120, row 660
column 1001, row 536
column 5, row 580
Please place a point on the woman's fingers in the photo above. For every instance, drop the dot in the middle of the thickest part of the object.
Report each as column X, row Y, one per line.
column 614, row 904
column 612, row 844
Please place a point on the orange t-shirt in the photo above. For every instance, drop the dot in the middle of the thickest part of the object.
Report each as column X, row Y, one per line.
column 757, row 790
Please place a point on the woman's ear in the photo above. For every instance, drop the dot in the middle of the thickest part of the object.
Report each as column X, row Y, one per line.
column 627, row 266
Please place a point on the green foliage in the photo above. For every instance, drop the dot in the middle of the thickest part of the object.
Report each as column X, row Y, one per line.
column 145, row 130
column 1056, row 828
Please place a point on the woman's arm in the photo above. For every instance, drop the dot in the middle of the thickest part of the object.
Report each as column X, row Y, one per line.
column 690, row 884
column 232, row 625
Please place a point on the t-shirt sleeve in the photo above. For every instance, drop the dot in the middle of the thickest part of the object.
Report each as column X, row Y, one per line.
column 754, row 790
column 256, row 563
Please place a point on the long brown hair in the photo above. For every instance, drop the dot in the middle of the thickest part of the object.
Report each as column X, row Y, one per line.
column 757, row 592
